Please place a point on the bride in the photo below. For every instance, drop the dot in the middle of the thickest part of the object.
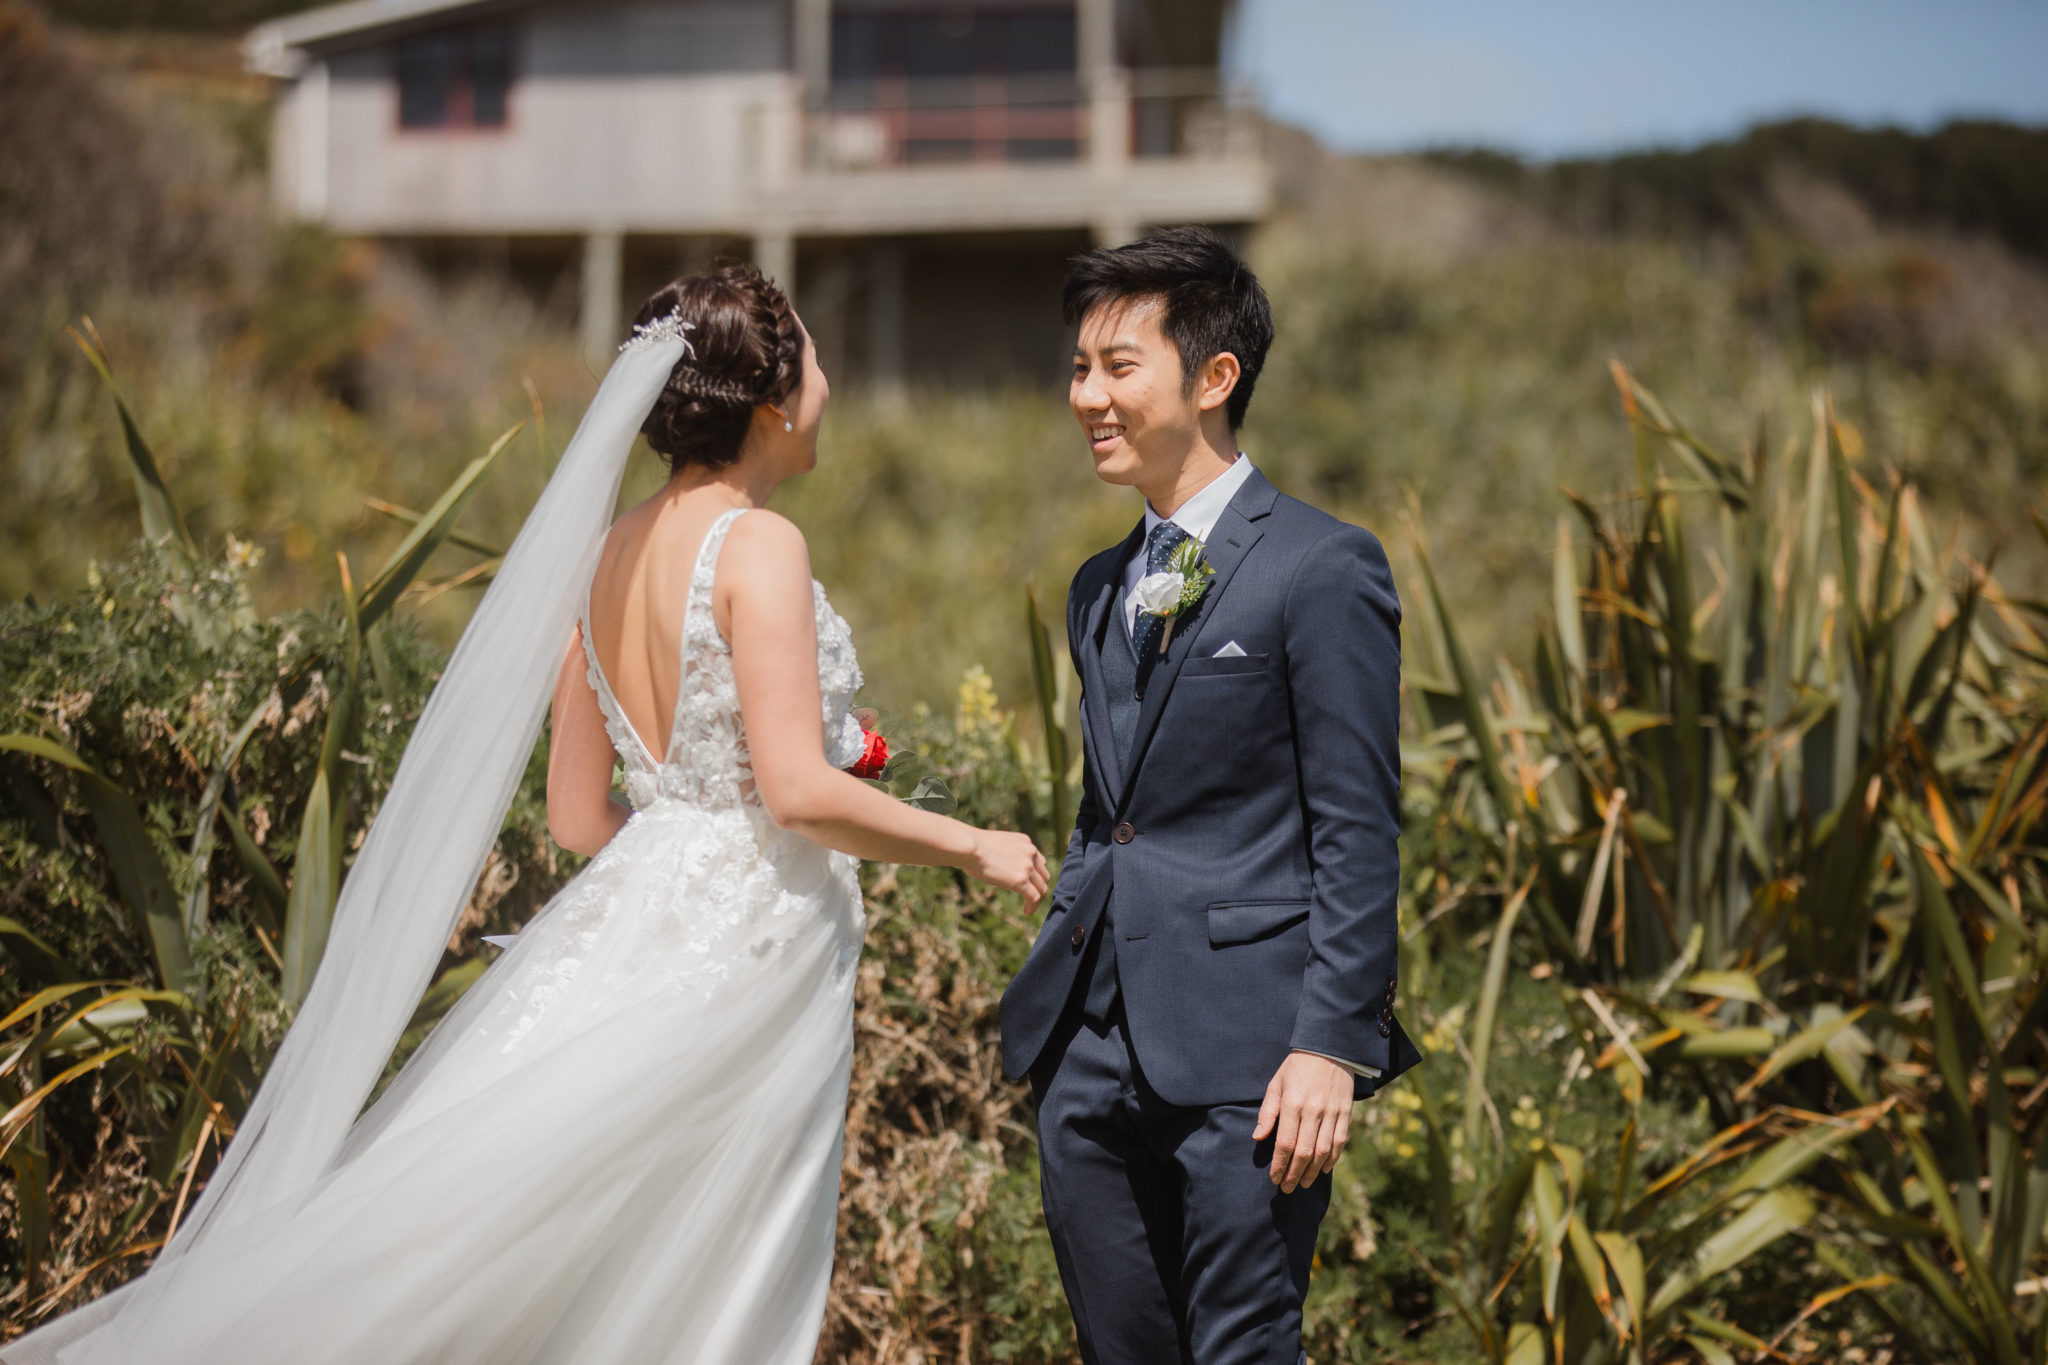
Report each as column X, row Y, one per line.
column 623, row 1144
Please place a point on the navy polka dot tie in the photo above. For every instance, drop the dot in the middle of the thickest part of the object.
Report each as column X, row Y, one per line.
column 1159, row 547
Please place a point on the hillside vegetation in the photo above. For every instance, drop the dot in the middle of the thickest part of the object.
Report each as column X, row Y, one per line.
column 1973, row 177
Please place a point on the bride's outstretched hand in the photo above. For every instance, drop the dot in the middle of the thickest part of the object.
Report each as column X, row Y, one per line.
column 1010, row 860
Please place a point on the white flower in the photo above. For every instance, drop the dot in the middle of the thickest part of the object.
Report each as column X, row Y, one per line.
column 1159, row 593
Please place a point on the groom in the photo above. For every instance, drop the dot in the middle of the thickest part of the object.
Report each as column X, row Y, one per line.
column 1214, row 983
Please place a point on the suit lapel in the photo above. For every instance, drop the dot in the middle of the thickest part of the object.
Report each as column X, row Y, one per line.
column 1093, row 694
column 1236, row 531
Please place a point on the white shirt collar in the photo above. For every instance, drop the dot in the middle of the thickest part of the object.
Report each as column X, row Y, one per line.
column 1197, row 516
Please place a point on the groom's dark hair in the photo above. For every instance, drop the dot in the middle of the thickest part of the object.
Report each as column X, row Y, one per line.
column 1210, row 301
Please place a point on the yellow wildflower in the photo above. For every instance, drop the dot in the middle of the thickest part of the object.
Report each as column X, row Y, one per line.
column 978, row 701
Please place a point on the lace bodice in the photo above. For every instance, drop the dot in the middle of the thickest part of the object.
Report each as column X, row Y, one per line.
column 708, row 763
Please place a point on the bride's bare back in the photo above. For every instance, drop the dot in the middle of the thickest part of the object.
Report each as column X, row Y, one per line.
column 637, row 599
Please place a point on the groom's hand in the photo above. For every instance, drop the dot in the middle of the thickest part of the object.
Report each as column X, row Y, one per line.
column 1308, row 1113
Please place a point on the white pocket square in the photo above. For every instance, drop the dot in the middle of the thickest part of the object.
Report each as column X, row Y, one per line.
column 1230, row 651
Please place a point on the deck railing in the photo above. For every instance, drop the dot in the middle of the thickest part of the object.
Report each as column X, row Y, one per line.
column 1124, row 115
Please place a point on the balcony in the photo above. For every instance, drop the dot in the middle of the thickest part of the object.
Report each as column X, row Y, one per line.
column 1152, row 114
column 1112, row 154
column 947, row 122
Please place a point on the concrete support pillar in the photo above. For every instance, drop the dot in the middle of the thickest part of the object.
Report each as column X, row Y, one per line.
column 1105, row 85
column 1095, row 36
column 775, row 256
column 1108, row 89
column 888, row 321
column 813, row 49
column 306, row 170
column 603, row 282
column 1109, row 122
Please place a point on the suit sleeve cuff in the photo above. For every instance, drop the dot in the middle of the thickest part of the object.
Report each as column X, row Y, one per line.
column 1355, row 1068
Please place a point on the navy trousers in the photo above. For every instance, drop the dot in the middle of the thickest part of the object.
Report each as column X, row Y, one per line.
column 1175, row 1246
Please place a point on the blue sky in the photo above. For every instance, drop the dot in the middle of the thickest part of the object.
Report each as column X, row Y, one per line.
column 1563, row 77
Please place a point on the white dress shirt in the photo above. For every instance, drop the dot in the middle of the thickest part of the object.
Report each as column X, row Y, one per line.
column 1197, row 516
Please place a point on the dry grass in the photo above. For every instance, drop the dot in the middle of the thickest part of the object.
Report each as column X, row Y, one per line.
column 930, row 1126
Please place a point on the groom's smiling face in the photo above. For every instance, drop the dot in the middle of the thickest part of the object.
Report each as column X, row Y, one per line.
column 1129, row 392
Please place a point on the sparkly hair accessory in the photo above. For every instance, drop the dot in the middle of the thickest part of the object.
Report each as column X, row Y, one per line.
column 669, row 328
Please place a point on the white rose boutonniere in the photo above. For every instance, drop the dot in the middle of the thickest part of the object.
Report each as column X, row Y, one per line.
column 1182, row 584
column 1159, row 593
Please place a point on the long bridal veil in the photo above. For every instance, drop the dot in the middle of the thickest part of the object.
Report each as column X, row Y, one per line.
column 424, row 852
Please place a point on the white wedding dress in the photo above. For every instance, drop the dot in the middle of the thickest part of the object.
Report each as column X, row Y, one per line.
column 622, row 1146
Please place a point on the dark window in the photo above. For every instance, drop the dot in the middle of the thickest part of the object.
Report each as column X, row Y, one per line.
column 454, row 80
column 941, row 46
column 945, row 83
column 1041, row 44
column 857, row 41
column 425, row 68
column 490, row 73
column 951, row 44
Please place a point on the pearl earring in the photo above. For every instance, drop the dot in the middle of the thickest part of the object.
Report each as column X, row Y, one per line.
column 789, row 426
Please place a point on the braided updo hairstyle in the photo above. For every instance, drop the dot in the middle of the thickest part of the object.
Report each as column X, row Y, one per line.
column 746, row 350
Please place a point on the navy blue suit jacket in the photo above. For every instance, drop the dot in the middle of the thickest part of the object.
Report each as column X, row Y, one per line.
column 1247, row 857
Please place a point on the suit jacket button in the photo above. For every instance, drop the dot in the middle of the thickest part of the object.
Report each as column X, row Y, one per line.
column 1123, row 833
column 1079, row 935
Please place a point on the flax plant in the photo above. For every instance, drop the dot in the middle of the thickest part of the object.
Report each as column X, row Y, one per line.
column 175, row 1045
column 1778, row 783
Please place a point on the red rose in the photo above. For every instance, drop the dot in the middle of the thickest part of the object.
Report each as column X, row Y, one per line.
column 873, row 758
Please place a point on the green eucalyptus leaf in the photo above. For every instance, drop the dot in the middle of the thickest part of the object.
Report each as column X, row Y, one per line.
column 933, row 795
